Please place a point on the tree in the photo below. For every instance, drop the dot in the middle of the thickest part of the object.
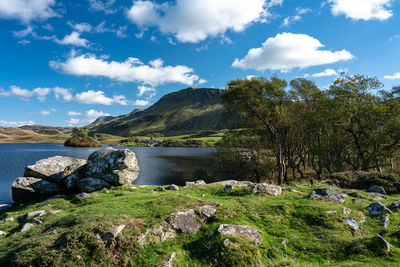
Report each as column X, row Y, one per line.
column 79, row 132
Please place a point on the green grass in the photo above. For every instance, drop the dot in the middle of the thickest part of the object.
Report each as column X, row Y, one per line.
column 296, row 231
column 51, row 138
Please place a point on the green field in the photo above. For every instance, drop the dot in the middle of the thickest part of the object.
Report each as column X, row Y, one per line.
column 296, row 231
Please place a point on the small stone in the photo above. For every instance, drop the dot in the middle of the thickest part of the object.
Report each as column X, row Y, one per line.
column 227, row 242
column 36, row 221
column 331, row 211
column 168, row 263
column 160, row 189
column 202, row 195
column 207, row 211
column 32, row 214
column 378, row 198
column 363, row 220
column 195, row 183
column 395, row 205
column 173, row 187
column 385, row 221
column 228, row 187
column 346, row 211
column 382, row 242
column 79, row 257
column 84, row 195
column 185, row 222
column 132, row 187
column 357, row 201
column 328, row 194
column 376, row 189
column 352, row 223
column 11, row 219
column 238, row 230
column 285, row 243
column 269, row 189
column 377, row 208
column 113, row 233
column 26, row 227
column 54, row 211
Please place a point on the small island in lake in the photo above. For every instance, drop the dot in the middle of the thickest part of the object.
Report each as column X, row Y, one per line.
column 80, row 138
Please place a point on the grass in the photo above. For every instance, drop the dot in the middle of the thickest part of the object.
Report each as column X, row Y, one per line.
column 296, row 231
column 17, row 135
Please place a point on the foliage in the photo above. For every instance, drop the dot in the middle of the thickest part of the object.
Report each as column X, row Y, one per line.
column 79, row 132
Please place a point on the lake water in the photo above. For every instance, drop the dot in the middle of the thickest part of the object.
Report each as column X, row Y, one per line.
column 158, row 165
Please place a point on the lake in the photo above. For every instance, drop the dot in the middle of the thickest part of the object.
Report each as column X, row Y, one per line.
column 158, row 165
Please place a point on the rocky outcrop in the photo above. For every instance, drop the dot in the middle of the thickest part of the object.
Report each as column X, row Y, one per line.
column 377, row 189
column 185, row 222
column 112, row 234
column 381, row 242
column 114, row 166
column 328, row 194
column 268, row 189
column 48, row 177
column 24, row 189
column 377, row 208
column 233, row 183
column 245, row 231
column 395, row 205
column 195, row 183
column 352, row 223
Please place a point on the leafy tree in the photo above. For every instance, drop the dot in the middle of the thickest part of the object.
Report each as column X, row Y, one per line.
column 79, row 132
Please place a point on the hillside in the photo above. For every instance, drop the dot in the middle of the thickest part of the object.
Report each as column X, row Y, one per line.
column 21, row 135
column 47, row 129
column 295, row 230
column 186, row 111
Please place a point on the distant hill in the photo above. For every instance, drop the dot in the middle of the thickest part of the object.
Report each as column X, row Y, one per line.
column 21, row 135
column 102, row 119
column 186, row 111
column 47, row 129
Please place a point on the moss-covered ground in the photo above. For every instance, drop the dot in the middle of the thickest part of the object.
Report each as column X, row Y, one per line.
column 296, row 231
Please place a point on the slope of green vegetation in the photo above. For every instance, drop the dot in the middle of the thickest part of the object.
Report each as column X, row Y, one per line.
column 186, row 111
column 296, row 231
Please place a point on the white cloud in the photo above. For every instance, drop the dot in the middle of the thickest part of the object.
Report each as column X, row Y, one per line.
column 362, row 9
column 95, row 114
column 98, row 97
column 325, row 73
column 119, row 31
column 299, row 12
column 141, row 103
column 99, row 5
column 18, row 91
column 15, row 123
column 62, row 93
column 73, row 39
column 41, row 93
column 74, row 121
column 286, row 51
column 150, row 91
column 80, row 27
column 74, row 113
column 4, row 93
column 46, row 112
column 395, row 76
column 27, row 10
column 195, row 20
column 131, row 70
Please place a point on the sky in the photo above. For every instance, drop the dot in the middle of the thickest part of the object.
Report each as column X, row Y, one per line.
column 65, row 63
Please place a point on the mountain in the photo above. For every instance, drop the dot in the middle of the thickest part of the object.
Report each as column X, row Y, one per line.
column 101, row 120
column 47, row 129
column 186, row 111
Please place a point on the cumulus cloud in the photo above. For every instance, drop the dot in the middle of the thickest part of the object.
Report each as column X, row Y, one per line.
column 73, row 39
column 141, row 103
column 299, row 12
column 15, row 123
column 41, row 93
column 74, row 113
column 150, row 91
column 131, row 70
column 395, row 76
column 286, row 51
column 98, row 97
column 62, row 93
column 82, row 27
column 362, row 9
column 105, row 6
column 95, row 114
column 325, row 73
column 46, row 112
column 74, row 121
column 27, row 10
column 195, row 20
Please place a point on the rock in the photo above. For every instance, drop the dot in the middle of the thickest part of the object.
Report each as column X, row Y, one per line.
column 173, row 187
column 269, row 189
column 385, row 221
column 26, row 227
column 28, row 188
column 160, row 189
column 113, row 233
column 132, row 187
column 84, row 195
column 2, row 233
column 11, row 219
column 227, row 242
column 382, row 242
column 54, row 212
column 202, row 195
column 116, row 167
column 357, row 201
column 346, row 211
column 168, row 263
column 5, row 206
column 352, row 223
column 329, row 194
column 331, row 211
column 77, row 167
column 195, row 183
column 395, row 205
column 91, row 184
column 363, row 220
column 207, row 211
column 377, row 189
column 50, row 169
column 71, row 181
column 377, row 208
column 378, row 198
column 54, row 197
column 228, row 187
column 185, row 222
column 238, row 230
column 36, row 221
column 37, row 213
column 159, row 234
column 233, row 183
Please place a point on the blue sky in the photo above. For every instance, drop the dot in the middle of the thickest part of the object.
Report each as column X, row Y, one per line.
column 68, row 62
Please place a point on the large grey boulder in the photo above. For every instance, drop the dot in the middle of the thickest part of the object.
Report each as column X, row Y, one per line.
column 328, row 194
column 90, row 184
column 245, row 231
column 395, row 205
column 377, row 189
column 50, row 169
column 24, row 189
column 157, row 235
column 377, row 208
column 115, row 166
column 195, row 183
column 73, row 173
column 268, row 189
column 185, row 222
column 233, row 183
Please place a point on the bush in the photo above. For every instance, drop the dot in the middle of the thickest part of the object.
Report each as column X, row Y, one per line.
column 82, row 142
